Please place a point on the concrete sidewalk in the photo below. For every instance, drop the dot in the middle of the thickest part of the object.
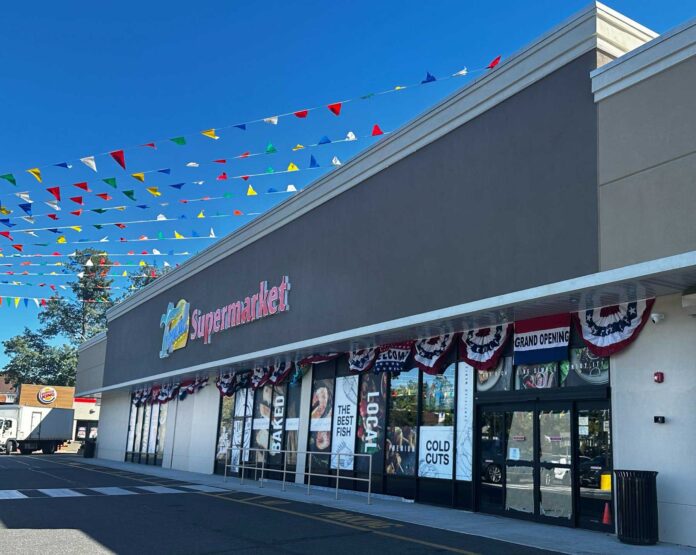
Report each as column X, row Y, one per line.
column 555, row 538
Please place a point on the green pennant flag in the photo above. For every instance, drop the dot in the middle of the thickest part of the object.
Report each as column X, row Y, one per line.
column 269, row 169
column 9, row 177
column 130, row 194
column 99, row 210
column 367, row 96
column 181, row 141
column 160, row 235
column 110, row 181
column 98, row 226
column 40, row 244
column 227, row 195
column 270, row 149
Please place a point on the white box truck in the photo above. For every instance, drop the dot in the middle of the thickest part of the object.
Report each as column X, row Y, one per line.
column 29, row 429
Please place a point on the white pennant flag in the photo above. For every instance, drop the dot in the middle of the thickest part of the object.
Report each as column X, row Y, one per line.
column 29, row 219
column 273, row 120
column 36, row 302
column 80, row 275
column 461, row 72
column 166, row 264
column 161, row 217
column 89, row 263
column 53, row 204
column 24, row 196
column 104, row 239
column 89, row 162
column 198, row 182
column 63, row 287
column 212, row 233
column 32, row 233
column 351, row 136
column 291, row 189
column 335, row 161
column 156, row 252
column 192, row 165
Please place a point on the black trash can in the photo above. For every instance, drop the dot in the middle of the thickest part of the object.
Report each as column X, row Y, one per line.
column 88, row 448
column 636, row 506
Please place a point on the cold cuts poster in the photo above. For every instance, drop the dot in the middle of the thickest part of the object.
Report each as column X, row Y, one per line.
column 344, row 422
column 436, row 449
column 465, row 420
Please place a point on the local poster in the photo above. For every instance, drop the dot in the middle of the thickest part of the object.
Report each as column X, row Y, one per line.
column 371, row 420
column 465, row 420
column 344, row 422
column 435, row 452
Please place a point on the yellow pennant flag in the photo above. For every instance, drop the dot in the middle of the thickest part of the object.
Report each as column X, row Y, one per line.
column 124, row 274
column 121, row 208
column 142, row 263
column 292, row 167
column 76, row 227
column 61, row 239
column 178, row 235
column 210, row 133
column 251, row 192
column 298, row 147
column 4, row 211
column 201, row 215
column 154, row 191
column 139, row 176
column 16, row 302
column 36, row 172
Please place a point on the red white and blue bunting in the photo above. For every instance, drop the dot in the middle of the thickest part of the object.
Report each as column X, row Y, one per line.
column 259, row 376
column 392, row 357
column 429, row 354
column 229, row 383
column 279, row 372
column 189, row 387
column 482, row 348
column 610, row 329
column 362, row 360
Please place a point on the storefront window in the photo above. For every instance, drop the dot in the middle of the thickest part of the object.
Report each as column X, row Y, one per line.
column 320, row 422
column 402, row 425
column 224, row 433
column 436, row 434
column 292, row 422
column 262, row 421
column 241, row 427
column 161, row 431
column 371, row 421
column 584, row 368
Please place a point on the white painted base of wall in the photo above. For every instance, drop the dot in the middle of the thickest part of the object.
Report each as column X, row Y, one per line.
column 113, row 425
column 670, row 448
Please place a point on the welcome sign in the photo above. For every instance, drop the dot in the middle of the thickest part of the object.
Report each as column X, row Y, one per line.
column 542, row 339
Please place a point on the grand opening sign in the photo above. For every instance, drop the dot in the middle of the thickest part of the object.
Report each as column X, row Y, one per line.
column 204, row 324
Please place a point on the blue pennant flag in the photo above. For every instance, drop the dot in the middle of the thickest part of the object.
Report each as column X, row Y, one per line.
column 194, row 233
column 171, row 253
column 178, row 185
column 272, row 190
column 54, row 230
column 183, row 217
column 241, row 126
column 324, row 140
column 26, row 302
column 313, row 162
column 26, row 206
column 7, row 222
column 143, row 206
column 429, row 78
column 165, row 170
column 63, row 165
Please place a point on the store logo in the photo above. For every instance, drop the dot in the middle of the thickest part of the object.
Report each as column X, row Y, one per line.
column 47, row 395
column 176, row 325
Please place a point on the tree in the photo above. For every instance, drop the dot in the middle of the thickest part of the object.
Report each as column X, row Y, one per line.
column 84, row 316
column 33, row 360
column 144, row 275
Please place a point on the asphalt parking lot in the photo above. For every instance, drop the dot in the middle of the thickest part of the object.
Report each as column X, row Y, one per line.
column 53, row 503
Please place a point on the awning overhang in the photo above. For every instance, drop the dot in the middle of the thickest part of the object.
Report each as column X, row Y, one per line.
column 654, row 278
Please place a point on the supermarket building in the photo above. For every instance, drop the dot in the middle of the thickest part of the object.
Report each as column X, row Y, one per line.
column 495, row 302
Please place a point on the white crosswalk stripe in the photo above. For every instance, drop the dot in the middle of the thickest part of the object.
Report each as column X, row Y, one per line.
column 61, row 492
column 159, row 489
column 113, row 491
column 11, row 494
column 8, row 494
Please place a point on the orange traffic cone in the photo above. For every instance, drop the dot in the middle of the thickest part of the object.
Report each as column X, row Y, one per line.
column 606, row 519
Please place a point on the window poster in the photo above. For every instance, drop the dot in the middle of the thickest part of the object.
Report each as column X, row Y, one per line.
column 277, row 419
column 292, row 422
column 262, row 420
column 371, row 421
column 320, row 419
column 402, row 424
column 152, row 437
column 435, row 451
column 584, row 368
column 536, row 376
column 237, row 427
column 496, row 379
column 247, row 438
column 131, row 428
column 465, row 420
column 240, row 403
column 344, row 422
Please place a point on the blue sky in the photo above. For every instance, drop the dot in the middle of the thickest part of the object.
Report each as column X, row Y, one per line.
column 83, row 78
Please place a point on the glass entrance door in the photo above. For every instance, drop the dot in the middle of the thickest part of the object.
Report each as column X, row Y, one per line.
column 526, row 461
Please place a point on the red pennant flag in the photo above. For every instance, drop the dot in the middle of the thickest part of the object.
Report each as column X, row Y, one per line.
column 77, row 200
column 120, row 157
column 151, row 145
column 102, row 261
column 303, row 113
column 18, row 247
column 377, row 131
column 77, row 212
column 43, row 301
column 6, row 234
column 117, row 263
column 221, row 161
column 53, row 287
column 222, row 177
column 55, row 191
column 237, row 213
column 120, row 226
column 82, row 186
column 131, row 252
column 53, row 216
column 55, row 254
column 335, row 108
column 493, row 63
column 105, row 196
column 245, row 177
column 152, row 273
column 245, row 154
column 183, row 201
column 144, row 252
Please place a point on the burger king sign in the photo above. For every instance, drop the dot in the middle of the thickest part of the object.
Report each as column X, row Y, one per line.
column 47, row 395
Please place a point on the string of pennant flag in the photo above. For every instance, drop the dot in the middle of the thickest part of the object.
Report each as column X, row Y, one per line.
column 335, row 108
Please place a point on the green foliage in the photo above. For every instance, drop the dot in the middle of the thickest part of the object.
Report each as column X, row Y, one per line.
column 84, row 316
column 32, row 360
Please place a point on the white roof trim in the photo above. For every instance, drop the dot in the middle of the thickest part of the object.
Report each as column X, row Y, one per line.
column 575, row 285
column 92, row 341
column 650, row 59
column 594, row 27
